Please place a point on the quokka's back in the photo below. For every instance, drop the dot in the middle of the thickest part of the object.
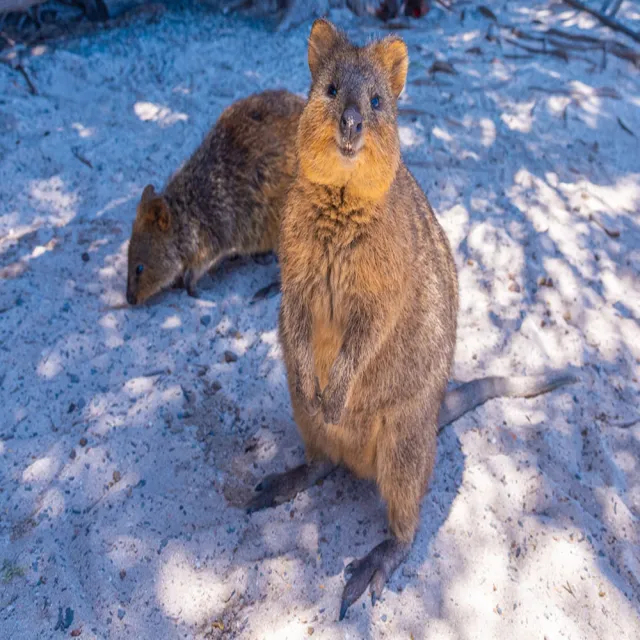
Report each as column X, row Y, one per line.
column 226, row 199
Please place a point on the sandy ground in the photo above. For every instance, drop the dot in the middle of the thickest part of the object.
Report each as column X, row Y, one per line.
column 127, row 441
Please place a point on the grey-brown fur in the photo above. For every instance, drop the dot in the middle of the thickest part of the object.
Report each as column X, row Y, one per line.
column 226, row 199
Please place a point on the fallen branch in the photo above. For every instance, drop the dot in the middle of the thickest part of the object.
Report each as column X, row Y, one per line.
column 518, row 56
column 558, row 53
column 590, row 43
column 578, row 37
column 23, row 72
column 606, row 20
column 599, row 92
column 32, row 88
column 626, row 425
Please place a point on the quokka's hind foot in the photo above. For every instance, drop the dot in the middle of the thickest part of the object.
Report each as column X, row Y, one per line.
column 278, row 488
column 373, row 571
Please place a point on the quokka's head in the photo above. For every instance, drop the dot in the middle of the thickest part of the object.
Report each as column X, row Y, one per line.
column 348, row 132
column 153, row 260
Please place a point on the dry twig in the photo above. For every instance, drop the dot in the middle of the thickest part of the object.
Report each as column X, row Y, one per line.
column 23, row 72
column 605, row 19
column 82, row 159
column 625, row 128
column 558, row 53
column 612, row 233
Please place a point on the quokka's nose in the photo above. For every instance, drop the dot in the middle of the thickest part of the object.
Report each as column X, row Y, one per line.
column 351, row 124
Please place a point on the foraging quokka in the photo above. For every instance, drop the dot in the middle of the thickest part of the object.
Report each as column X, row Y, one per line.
column 227, row 199
column 369, row 301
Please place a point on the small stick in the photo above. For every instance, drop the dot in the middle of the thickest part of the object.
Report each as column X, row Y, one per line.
column 115, row 307
column 411, row 111
column 82, row 158
column 32, row 89
column 618, row 49
column 21, row 70
column 626, row 425
column 600, row 92
column 606, row 20
column 154, row 373
column 612, row 233
column 559, row 53
column 10, row 41
column 624, row 126
column 573, row 36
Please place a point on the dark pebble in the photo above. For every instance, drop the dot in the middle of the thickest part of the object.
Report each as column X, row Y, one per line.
column 73, row 454
column 83, row 442
column 205, row 320
column 85, row 257
column 121, row 613
column 229, row 356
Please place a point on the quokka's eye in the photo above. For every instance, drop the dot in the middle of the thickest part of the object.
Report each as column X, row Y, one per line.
column 375, row 102
column 332, row 91
column 139, row 269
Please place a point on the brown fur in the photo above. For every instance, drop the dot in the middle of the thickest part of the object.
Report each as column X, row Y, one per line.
column 369, row 285
column 227, row 199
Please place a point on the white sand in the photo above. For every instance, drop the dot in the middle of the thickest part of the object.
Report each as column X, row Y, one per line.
column 530, row 529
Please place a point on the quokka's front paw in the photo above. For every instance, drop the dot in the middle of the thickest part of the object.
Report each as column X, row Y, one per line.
column 190, row 281
column 333, row 400
column 311, row 401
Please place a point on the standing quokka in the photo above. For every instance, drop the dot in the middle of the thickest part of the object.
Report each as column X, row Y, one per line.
column 369, row 301
column 227, row 199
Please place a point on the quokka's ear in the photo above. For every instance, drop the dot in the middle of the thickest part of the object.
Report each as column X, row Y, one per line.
column 323, row 38
column 154, row 211
column 148, row 193
column 392, row 54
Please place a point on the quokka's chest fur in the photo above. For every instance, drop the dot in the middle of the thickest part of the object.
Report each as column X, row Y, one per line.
column 328, row 268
